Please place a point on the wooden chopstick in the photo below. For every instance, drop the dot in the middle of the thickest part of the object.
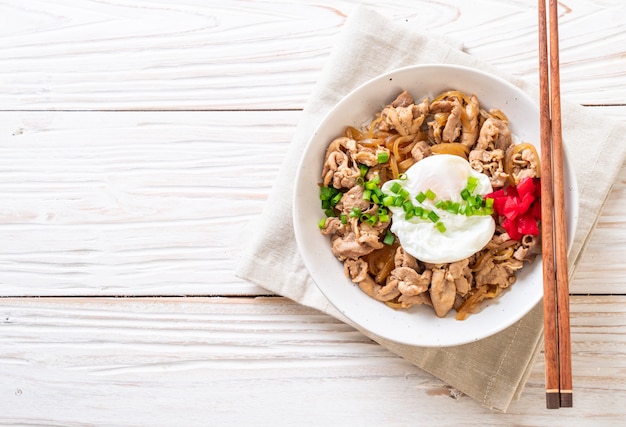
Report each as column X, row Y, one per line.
column 557, row 346
column 547, row 232
column 560, row 227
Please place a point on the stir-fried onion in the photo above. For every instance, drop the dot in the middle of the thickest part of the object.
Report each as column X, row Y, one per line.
column 514, row 160
column 455, row 148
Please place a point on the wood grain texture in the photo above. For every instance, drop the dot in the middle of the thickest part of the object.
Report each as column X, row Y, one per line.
column 156, row 203
column 132, row 203
column 128, row 55
column 138, row 139
column 131, row 362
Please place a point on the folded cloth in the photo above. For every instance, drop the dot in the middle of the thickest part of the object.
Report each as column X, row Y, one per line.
column 493, row 370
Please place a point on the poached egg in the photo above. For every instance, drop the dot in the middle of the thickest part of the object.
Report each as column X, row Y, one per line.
column 443, row 177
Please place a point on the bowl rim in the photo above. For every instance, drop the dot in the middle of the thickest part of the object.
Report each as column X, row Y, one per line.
column 301, row 240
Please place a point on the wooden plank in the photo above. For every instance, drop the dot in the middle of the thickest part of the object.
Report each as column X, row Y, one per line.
column 238, row 54
column 231, row 361
column 155, row 203
column 132, row 203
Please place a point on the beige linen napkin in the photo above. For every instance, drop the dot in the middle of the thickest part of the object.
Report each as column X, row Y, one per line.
column 492, row 371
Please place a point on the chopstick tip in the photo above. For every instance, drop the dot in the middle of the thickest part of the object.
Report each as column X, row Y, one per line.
column 552, row 400
column 566, row 399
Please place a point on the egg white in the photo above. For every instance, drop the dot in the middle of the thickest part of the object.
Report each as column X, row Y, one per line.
column 446, row 175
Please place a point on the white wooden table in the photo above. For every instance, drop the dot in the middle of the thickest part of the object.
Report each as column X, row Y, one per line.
column 138, row 138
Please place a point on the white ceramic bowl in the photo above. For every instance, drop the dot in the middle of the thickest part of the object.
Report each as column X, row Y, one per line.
column 418, row 325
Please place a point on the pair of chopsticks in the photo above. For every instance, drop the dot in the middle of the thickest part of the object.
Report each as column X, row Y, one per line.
column 557, row 346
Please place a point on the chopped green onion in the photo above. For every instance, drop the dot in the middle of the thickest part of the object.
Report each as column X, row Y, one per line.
column 389, row 238
column 371, row 219
column 403, row 177
column 404, row 193
column 407, row 206
column 397, row 202
column 355, row 212
column 330, row 197
column 419, row 211
column 472, row 183
column 452, row 207
column 325, row 193
column 322, row 223
column 329, row 212
column 430, row 195
column 344, row 219
column 395, row 187
column 383, row 218
column 363, row 169
column 409, row 214
column 420, row 197
column 375, row 198
column 488, row 210
column 440, row 204
column 388, row 200
column 489, row 202
column 383, row 157
column 432, row 215
column 367, row 195
column 465, row 194
column 372, row 183
column 441, row 227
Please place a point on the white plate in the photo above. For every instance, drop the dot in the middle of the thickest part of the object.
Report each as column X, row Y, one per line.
column 416, row 326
